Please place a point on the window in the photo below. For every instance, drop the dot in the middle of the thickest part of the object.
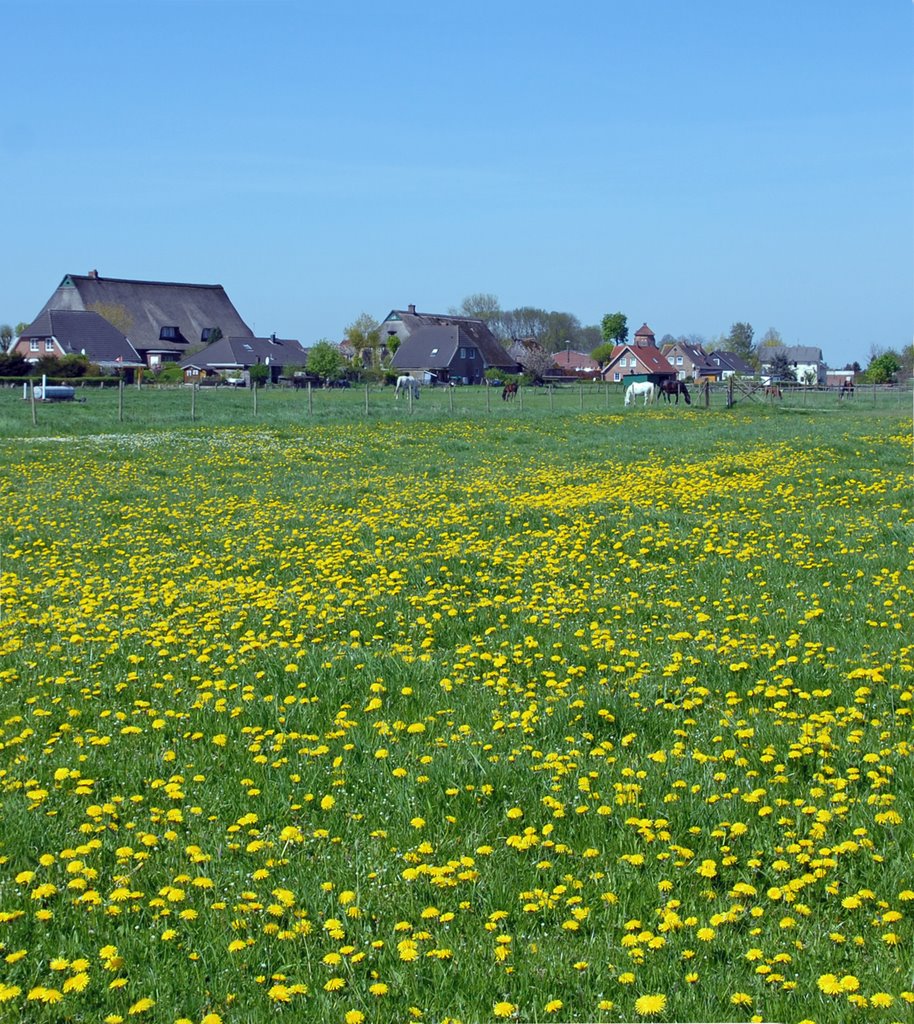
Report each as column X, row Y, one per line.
column 48, row 344
column 206, row 333
column 679, row 360
column 433, row 352
column 463, row 353
column 617, row 377
column 168, row 334
column 33, row 345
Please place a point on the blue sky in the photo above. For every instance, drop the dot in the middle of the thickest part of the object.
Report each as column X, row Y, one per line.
column 690, row 164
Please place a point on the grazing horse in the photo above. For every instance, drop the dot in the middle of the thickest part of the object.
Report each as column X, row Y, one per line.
column 773, row 391
column 847, row 389
column 677, row 388
column 509, row 391
column 408, row 384
column 641, row 387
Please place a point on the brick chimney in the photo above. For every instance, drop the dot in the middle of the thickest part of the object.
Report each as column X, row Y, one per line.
column 411, row 308
column 93, row 274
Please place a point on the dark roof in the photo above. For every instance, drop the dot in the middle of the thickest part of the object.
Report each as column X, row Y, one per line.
column 793, row 353
column 431, row 348
column 238, row 353
column 730, row 361
column 151, row 305
column 81, row 332
column 694, row 353
column 434, row 347
column 473, row 330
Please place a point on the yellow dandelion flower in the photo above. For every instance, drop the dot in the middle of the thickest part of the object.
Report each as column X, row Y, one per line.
column 504, row 1009
column 650, row 1005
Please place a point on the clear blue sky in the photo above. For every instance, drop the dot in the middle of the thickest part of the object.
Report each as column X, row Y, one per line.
column 690, row 164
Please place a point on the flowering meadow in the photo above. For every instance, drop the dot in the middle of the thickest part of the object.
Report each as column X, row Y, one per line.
column 573, row 718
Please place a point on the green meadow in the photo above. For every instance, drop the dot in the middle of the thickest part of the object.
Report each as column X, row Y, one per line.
column 341, row 709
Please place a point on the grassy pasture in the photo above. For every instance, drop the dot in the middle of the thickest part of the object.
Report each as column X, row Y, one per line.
column 478, row 712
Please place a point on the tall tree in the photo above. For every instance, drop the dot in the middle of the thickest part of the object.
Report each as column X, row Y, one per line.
column 364, row 334
column 614, row 327
column 559, row 328
column 479, row 305
column 739, row 341
column 771, row 338
column 6, row 337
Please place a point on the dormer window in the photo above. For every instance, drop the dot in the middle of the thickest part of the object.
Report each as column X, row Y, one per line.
column 169, row 334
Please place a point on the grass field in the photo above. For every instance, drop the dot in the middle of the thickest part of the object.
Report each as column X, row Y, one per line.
column 474, row 712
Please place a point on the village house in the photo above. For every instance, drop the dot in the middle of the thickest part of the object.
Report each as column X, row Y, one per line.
column 805, row 361
column 728, row 364
column 162, row 320
column 444, row 349
column 638, row 360
column 689, row 361
column 58, row 333
column 576, row 364
column 233, row 358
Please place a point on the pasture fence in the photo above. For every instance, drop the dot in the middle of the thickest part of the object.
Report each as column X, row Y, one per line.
column 106, row 404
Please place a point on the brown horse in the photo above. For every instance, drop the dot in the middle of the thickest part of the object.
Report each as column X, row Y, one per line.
column 509, row 391
column 668, row 388
column 773, row 391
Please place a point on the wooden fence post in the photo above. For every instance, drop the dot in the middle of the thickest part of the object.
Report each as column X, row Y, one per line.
column 310, row 405
column 366, row 398
column 193, row 403
column 120, row 400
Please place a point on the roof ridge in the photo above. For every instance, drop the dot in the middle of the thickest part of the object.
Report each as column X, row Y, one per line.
column 131, row 280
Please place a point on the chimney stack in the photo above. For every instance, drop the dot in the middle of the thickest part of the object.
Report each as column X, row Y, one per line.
column 93, row 274
column 411, row 308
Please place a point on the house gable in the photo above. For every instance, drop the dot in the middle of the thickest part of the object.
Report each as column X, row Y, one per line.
column 63, row 332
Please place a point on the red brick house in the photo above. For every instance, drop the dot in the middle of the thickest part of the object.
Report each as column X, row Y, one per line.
column 640, row 359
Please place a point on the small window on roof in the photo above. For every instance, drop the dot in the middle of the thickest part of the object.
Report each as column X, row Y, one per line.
column 168, row 333
column 434, row 352
column 247, row 348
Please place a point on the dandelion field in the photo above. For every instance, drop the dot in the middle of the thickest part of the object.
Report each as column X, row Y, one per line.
column 540, row 717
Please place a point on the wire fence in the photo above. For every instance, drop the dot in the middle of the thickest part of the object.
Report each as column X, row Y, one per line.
column 74, row 404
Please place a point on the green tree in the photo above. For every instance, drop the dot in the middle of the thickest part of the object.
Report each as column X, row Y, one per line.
column 602, row 353
column 6, row 336
column 771, row 338
column 364, row 335
column 259, row 374
column 882, row 368
column 780, row 365
column 324, row 360
column 739, row 341
column 614, row 328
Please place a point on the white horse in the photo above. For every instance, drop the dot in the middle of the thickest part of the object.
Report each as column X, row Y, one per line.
column 642, row 387
column 408, row 384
